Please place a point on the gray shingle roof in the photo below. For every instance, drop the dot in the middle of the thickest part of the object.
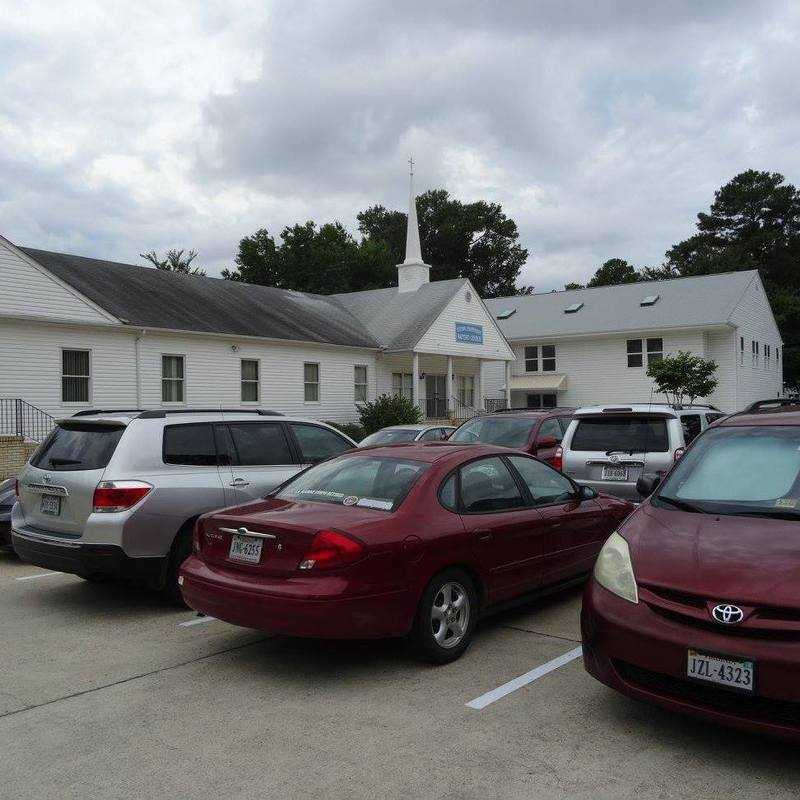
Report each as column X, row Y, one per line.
column 683, row 302
column 399, row 320
column 152, row 298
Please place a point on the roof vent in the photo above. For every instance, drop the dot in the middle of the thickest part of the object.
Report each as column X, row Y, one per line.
column 574, row 308
column 650, row 300
column 506, row 313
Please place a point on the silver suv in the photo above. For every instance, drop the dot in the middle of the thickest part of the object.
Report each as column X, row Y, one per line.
column 114, row 494
column 609, row 447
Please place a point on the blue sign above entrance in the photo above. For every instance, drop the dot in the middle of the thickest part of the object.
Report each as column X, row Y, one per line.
column 471, row 334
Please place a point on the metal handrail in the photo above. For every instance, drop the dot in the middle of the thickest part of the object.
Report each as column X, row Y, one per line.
column 19, row 418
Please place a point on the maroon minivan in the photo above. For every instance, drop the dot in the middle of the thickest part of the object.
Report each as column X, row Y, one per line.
column 411, row 539
column 695, row 601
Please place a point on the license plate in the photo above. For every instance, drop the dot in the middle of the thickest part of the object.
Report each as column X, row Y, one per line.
column 615, row 474
column 246, row 548
column 51, row 504
column 729, row 672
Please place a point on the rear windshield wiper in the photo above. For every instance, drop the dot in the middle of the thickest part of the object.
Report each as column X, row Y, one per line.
column 682, row 505
column 629, row 452
column 63, row 462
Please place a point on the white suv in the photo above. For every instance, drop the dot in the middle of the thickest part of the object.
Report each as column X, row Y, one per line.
column 609, row 447
column 116, row 493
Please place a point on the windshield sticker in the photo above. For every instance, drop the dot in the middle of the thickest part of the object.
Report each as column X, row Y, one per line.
column 322, row 493
column 371, row 502
column 786, row 502
column 350, row 500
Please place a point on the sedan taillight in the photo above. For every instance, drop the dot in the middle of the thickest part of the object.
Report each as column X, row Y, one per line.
column 332, row 549
column 112, row 496
column 558, row 458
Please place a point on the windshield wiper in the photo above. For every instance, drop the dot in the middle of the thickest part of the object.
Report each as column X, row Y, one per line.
column 682, row 505
column 62, row 462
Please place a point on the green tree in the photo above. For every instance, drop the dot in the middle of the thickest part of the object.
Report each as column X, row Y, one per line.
column 753, row 223
column 568, row 287
column 459, row 240
column 174, row 261
column 683, row 376
column 613, row 272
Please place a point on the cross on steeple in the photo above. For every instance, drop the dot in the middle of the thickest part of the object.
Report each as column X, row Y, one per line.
column 411, row 165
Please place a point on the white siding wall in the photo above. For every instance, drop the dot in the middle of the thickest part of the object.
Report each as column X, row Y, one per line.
column 597, row 371
column 719, row 346
column 30, row 368
column 441, row 338
column 755, row 322
column 31, row 292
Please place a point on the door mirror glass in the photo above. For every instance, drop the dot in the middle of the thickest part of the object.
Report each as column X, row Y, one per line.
column 647, row 484
column 587, row 493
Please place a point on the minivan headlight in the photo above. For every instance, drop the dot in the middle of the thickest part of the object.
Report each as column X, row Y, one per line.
column 614, row 570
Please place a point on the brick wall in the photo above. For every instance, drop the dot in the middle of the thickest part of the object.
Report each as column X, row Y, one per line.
column 14, row 452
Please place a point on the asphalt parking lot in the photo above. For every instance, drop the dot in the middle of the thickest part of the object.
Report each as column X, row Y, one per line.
column 106, row 692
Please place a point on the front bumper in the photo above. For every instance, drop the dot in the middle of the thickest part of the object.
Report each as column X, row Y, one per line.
column 292, row 607
column 636, row 651
column 64, row 554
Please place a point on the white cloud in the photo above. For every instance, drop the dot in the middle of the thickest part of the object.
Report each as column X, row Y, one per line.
column 601, row 128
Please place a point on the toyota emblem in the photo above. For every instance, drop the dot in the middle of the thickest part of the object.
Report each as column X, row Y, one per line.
column 47, row 478
column 727, row 614
column 613, row 458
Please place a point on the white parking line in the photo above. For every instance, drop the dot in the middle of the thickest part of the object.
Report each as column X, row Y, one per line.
column 494, row 695
column 196, row 621
column 39, row 575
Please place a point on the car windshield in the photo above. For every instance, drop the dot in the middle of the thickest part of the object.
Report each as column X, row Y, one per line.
column 504, row 431
column 615, row 434
column 368, row 482
column 739, row 470
column 389, row 436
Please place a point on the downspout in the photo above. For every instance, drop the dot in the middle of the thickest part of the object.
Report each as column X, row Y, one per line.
column 138, row 353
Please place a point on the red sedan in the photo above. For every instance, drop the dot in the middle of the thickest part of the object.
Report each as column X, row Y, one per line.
column 695, row 601
column 410, row 540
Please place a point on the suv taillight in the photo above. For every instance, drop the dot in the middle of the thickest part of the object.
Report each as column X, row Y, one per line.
column 679, row 451
column 558, row 458
column 332, row 549
column 111, row 496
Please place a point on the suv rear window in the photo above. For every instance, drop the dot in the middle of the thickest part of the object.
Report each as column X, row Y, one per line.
column 72, row 447
column 637, row 434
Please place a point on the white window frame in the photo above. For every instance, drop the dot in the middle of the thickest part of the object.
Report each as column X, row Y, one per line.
column 182, row 380
column 539, row 357
column 249, row 381
column 90, row 382
column 359, row 385
column 741, row 350
column 640, row 353
column 754, row 352
column 317, row 383
column 650, row 352
column 531, row 359
column 404, row 392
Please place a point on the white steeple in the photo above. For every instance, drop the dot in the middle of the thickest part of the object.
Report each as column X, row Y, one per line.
column 413, row 272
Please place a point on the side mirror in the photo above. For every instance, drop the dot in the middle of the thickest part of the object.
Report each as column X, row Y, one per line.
column 546, row 441
column 647, row 484
column 587, row 493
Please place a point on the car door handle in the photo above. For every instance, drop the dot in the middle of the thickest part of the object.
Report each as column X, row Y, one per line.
column 239, row 482
column 483, row 535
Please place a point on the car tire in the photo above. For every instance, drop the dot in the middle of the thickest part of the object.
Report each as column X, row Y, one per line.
column 446, row 617
column 181, row 550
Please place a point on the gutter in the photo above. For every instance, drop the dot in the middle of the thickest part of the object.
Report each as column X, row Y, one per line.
column 138, row 366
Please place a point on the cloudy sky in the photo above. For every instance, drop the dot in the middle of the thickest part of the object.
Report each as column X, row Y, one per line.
column 601, row 127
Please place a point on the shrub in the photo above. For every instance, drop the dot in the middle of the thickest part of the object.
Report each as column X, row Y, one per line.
column 388, row 409
column 351, row 429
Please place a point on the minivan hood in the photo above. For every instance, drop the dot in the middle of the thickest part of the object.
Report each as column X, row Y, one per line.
column 747, row 560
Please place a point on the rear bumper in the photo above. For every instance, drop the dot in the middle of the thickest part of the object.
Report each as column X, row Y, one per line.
column 273, row 605
column 634, row 650
column 68, row 555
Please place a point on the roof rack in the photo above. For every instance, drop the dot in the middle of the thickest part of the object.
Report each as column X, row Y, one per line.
column 162, row 413
column 89, row 412
column 536, row 410
column 681, row 406
column 779, row 402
